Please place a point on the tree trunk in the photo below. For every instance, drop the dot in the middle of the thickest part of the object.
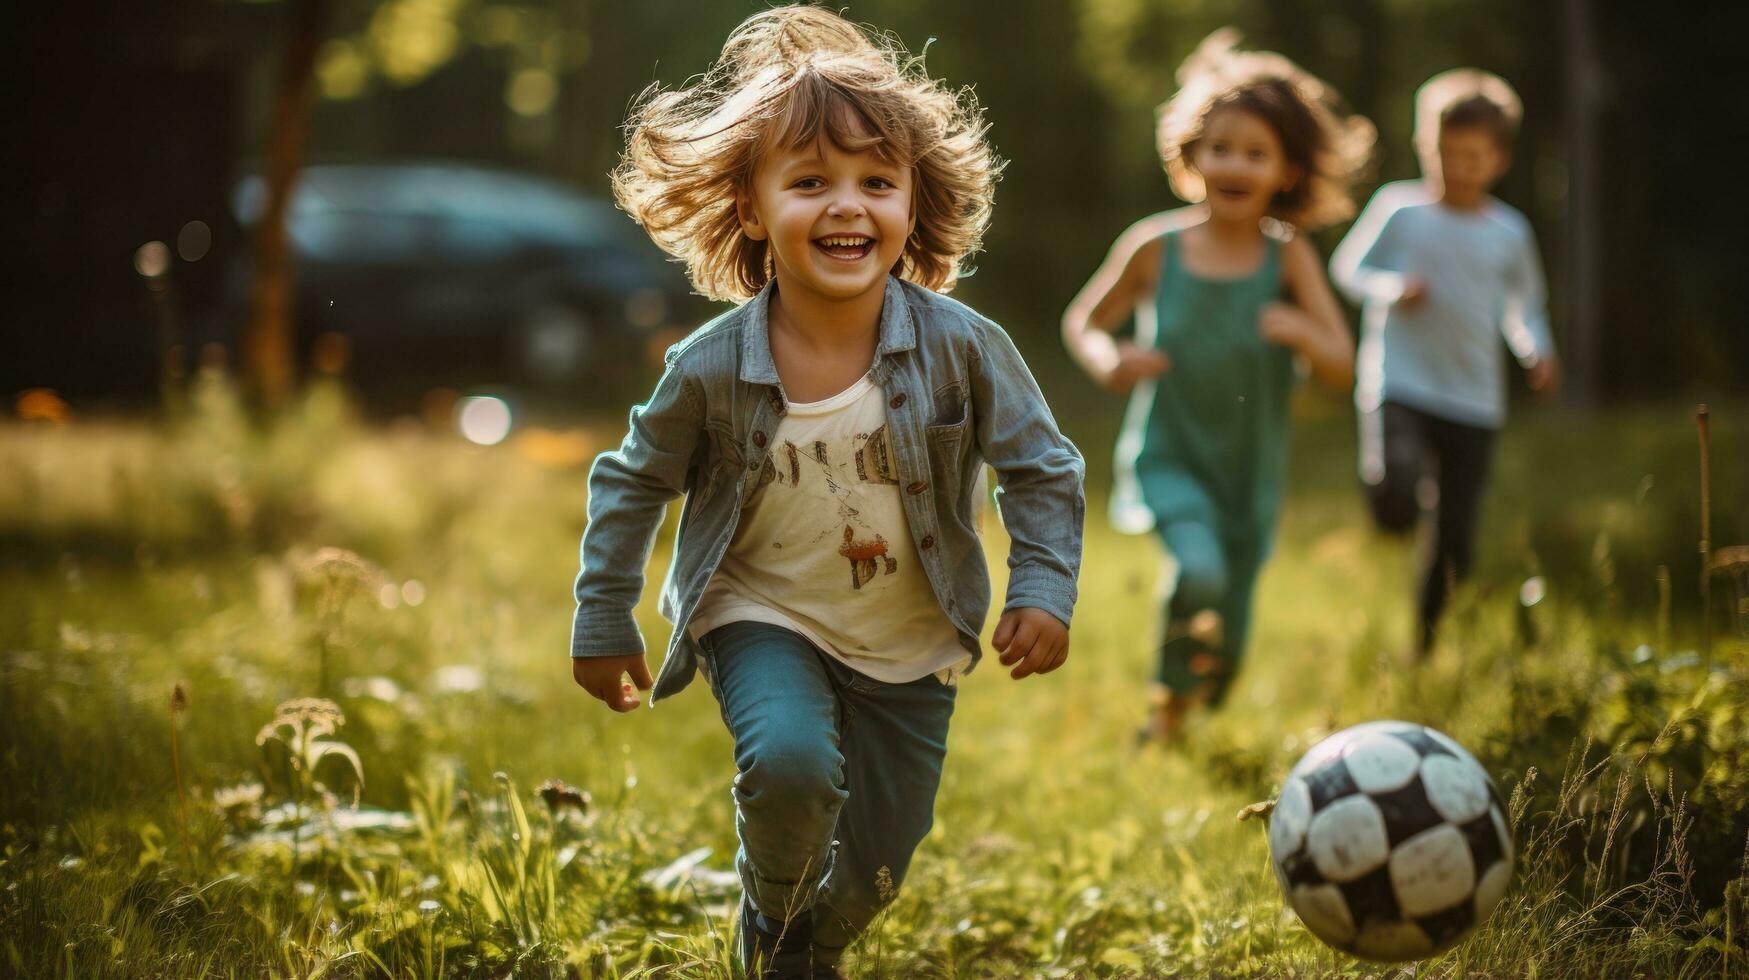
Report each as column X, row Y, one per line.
column 1584, row 93
column 268, row 346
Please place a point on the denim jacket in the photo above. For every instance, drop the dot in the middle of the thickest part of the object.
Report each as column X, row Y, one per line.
column 958, row 396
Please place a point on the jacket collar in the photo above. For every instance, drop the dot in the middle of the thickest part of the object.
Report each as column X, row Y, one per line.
column 897, row 331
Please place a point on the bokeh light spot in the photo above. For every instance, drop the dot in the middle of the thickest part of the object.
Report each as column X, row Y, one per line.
column 43, row 405
column 152, row 259
column 532, row 91
column 1532, row 591
column 194, row 241
column 342, row 69
column 483, row 420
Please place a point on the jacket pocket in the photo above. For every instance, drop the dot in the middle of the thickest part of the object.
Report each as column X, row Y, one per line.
column 950, row 414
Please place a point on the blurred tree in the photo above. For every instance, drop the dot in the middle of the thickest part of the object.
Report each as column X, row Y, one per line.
column 268, row 346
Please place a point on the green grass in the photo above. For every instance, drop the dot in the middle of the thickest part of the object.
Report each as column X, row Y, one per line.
column 134, row 559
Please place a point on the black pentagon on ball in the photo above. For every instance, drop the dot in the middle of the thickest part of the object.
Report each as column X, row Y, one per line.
column 1370, row 897
column 1299, row 868
column 1484, row 841
column 1329, row 784
column 1418, row 739
column 1407, row 811
column 1443, row 927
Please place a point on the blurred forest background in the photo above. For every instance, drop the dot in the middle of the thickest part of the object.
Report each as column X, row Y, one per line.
column 143, row 118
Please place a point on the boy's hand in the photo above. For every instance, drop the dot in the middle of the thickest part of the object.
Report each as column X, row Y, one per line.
column 1414, row 293
column 1285, row 324
column 1032, row 638
column 600, row 676
column 1133, row 364
column 1544, row 376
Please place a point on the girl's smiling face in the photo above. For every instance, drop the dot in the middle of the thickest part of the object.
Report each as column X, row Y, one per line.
column 836, row 220
column 1242, row 165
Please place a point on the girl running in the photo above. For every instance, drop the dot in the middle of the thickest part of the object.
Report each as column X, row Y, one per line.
column 1227, row 298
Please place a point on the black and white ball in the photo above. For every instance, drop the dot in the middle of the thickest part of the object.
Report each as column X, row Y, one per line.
column 1390, row 841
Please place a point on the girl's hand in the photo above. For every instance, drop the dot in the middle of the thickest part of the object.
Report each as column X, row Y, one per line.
column 1287, row 325
column 1414, row 293
column 1032, row 638
column 1132, row 365
column 600, row 676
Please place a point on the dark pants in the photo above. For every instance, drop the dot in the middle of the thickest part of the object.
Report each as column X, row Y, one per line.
column 1398, row 445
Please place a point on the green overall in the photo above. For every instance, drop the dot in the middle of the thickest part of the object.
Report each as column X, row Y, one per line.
column 1203, row 458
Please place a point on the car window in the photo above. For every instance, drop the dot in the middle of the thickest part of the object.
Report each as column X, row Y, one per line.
column 375, row 237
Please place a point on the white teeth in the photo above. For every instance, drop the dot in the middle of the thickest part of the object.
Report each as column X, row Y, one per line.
column 844, row 242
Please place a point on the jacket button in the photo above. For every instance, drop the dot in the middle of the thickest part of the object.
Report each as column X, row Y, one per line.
column 759, row 439
column 898, row 399
column 917, row 487
column 928, row 542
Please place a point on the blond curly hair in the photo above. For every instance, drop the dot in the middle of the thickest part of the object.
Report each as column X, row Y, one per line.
column 788, row 77
column 1329, row 150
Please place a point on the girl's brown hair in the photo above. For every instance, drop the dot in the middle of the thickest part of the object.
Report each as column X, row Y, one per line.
column 788, row 77
column 1329, row 150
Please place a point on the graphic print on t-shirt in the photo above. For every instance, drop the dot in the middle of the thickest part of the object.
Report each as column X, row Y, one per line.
column 824, row 545
column 866, row 461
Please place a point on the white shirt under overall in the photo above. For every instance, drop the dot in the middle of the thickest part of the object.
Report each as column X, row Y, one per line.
column 823, row 547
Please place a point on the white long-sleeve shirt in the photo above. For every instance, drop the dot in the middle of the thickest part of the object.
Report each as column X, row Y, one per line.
column 1484, row 282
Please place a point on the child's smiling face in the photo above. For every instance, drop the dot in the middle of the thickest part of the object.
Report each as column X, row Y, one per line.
column 836, row 220
column 1242, row 165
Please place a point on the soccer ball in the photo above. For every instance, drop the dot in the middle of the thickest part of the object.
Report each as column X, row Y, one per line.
column 1390, row 841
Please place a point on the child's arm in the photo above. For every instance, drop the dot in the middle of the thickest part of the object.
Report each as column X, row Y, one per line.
column 1124, row 279
column 1312, row 325
column 1362, row 264
column 1039, row 495
column 629, row 489
column 1525, row 319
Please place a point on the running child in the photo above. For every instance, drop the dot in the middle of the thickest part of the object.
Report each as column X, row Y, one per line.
column 1444, row 272
column 830, row 435
column 1227, row 297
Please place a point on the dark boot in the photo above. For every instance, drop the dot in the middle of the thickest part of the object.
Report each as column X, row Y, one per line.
column 773, row 950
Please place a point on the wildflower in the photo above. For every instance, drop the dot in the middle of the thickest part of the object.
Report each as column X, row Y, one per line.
column 559, row 797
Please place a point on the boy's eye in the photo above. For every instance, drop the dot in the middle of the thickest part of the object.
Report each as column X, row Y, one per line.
column 1257, row 154
column 879, row 183
column 809, row 184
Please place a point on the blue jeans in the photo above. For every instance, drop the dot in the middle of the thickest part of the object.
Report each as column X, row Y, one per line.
column 835, row 776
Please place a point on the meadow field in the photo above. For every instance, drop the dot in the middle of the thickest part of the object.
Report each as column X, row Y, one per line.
column 169, row 808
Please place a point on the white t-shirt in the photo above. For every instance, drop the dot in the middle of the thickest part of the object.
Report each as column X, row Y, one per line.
column 823, row 547
column 1484, row 284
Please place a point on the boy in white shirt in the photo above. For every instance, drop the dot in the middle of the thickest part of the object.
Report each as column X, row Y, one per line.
column 1445, row 272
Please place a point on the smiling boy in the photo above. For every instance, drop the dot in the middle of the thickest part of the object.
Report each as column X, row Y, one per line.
column 830, row 435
